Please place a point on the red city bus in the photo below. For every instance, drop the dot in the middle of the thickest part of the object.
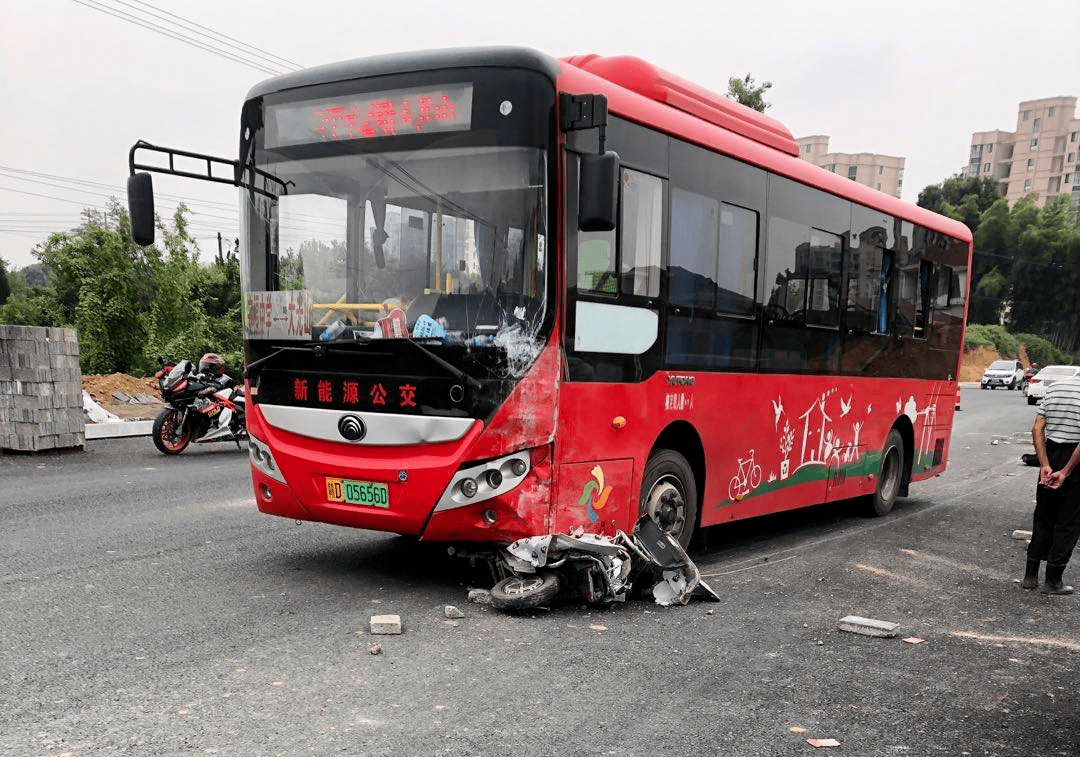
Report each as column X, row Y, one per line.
column 490, row 294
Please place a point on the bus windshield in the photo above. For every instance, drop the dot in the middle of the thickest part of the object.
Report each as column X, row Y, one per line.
column 447, row 243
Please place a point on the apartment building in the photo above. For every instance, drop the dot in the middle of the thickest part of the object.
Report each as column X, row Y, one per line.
column 1041, row 156
column 884, row 173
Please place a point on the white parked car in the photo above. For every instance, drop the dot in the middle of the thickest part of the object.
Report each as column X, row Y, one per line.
column 1036, row 388
column 1005, row 373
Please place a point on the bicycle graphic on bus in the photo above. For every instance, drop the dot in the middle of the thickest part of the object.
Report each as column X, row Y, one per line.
column 748, row 478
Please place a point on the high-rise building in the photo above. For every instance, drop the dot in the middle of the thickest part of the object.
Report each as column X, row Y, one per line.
column 884, row 173
column 1041, row 156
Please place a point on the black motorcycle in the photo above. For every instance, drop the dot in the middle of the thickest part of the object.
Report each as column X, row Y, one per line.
column 204, row 405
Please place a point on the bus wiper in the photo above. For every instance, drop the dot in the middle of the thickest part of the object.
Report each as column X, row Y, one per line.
column 267, row 358
column 459, row 374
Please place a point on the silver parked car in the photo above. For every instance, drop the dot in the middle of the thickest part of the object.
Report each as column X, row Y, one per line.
column 1036, row 388
column 1005, row 373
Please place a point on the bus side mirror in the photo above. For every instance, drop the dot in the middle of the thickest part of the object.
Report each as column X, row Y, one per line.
column 598, row 192
column 140, row 189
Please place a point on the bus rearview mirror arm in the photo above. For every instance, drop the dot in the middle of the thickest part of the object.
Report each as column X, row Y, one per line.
column 141, row 187
column 598, row 185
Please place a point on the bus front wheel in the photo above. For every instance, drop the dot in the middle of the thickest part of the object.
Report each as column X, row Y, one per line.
column 890, row 474
column 669, row 494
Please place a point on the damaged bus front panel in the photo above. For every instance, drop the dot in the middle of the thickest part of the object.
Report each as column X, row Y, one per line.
column 399, row 316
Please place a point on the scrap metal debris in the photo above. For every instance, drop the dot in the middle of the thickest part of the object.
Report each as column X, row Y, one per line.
column 603, row 569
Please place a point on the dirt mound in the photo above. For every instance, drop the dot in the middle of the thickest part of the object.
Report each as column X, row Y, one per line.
column 101, row 388
column 975, row 362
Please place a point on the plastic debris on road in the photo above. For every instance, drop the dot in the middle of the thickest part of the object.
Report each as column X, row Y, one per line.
column 819, row 743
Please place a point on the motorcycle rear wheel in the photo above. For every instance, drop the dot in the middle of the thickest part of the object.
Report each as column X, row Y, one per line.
column 167, row 438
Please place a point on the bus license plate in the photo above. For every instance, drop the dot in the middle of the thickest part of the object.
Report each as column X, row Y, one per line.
column 357, row 492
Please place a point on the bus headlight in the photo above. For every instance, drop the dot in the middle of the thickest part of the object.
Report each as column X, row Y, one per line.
column 477, row 483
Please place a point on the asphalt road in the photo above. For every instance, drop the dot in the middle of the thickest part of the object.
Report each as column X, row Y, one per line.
column 149, row 609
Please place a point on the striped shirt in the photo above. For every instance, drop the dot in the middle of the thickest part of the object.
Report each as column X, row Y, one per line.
column 1061, row 409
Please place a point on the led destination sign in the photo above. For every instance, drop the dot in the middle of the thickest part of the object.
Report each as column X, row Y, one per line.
column 420, row 110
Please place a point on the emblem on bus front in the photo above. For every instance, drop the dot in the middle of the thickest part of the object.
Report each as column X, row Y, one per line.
column 351, row 428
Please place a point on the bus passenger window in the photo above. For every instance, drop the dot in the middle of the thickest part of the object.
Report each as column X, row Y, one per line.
column 804, row 272
column 692, row 273
column 823, row 278
column 738, row 259
column 923, row 298
column 641, row 225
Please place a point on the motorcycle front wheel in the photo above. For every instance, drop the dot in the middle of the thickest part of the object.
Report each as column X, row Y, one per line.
column 169, row 439
column 518, row 593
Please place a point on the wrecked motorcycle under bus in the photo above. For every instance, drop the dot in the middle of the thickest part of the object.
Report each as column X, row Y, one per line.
column 602, row 570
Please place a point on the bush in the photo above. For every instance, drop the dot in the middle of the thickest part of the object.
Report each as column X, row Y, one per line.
column 995, row 337
column 1041, row 350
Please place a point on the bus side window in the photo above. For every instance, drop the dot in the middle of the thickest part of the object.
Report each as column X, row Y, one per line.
column 883, row 309
column 640, row 229
column 924, row 298
column 596, row 261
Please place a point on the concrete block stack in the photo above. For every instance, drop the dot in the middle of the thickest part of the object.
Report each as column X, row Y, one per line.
column 40, row 390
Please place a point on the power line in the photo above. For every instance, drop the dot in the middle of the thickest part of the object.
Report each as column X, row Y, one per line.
column 258, row 51
column 231, row 207
column 237, row 56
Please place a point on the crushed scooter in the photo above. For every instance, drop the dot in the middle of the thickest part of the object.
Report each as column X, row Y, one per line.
column 603, row 570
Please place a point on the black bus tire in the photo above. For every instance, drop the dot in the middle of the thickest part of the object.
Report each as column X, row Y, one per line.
column 890, row 475
column 667, row 472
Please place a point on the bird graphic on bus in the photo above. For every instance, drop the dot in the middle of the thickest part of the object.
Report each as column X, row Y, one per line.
column 595, row 495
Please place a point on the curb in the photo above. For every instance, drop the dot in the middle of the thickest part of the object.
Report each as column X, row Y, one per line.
column 117, row 429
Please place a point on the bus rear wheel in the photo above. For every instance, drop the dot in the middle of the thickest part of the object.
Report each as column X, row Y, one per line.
column 669, row 494
column 890, row 474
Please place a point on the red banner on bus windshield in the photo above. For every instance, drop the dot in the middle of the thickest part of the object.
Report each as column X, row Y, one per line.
column 419, row 110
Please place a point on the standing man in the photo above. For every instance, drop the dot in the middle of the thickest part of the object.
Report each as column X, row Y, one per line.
column 1056, row 523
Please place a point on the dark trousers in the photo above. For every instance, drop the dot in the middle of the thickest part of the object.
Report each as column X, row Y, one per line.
column 1055, row 527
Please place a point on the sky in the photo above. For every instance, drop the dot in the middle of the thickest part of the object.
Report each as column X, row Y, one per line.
column 80, row 82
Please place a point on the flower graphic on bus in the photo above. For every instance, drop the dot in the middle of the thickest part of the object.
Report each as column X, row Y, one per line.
column 595, row 495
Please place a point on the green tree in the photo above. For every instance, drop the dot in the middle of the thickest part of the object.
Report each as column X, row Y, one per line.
column 1046, row 273
column 747, row 92
column 5, row 287
column 28, row 305
column 101, row 283
column 962, row 198
column 966, row 200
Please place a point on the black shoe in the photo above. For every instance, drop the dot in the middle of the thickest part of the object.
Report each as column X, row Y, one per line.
column 1058, row 588
column 1030, row 583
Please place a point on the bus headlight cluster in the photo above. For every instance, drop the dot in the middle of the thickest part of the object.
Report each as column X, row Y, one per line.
column 263, row 459
column 485, row 480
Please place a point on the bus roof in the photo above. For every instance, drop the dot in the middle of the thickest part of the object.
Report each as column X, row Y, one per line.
column 643, row 93
column 648, row 95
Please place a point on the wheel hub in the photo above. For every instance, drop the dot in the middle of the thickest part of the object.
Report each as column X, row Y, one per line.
column 666, row 505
